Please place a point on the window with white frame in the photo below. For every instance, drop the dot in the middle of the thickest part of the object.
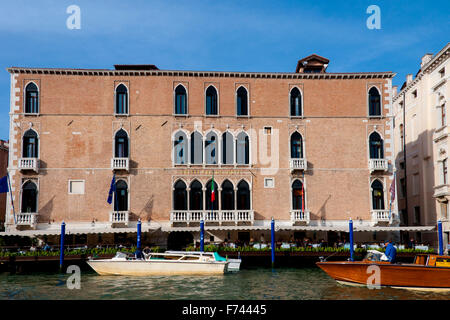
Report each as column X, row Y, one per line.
column 269, row 182
column 76, row 186
column 443, row 171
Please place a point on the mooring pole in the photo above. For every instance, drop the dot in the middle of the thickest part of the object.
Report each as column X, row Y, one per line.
column 272, row 234
column 61, row 246
column 350, row 230
column 202, row 235
column 441, row 242
column 138, row 244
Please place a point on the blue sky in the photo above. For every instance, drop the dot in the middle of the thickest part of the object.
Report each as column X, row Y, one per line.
column 218, row 35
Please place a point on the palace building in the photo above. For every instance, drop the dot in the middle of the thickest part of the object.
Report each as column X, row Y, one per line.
column 310, row 149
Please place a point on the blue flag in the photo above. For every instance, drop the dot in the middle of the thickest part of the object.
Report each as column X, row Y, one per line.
column 112, row 189
column 4, row 184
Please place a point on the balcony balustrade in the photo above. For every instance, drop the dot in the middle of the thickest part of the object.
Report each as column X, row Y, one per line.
column 298, row 164
column 29, row 164
column 119, row 217
column 120, row 164
column 300, row 216
column 218, row 216
column 378, row 165
column 26, row 219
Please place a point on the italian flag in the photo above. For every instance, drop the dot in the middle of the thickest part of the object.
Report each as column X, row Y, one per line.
column 213, row 194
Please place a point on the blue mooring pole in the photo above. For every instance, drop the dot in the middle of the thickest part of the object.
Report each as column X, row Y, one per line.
column 202, row 235
column 272, row 235
column 441, row 242
column 138, row 244
column 350, row 230
column 61, row 247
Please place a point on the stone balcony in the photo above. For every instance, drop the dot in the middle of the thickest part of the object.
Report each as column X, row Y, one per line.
column 219, row 216
column 382, row 216
column 26, row 219
column 300, row 216
column 119, row 217
column 120, row 164
column 378, row 165
column 440, row 133
column 31, row 164
column 298, row 164
column 442, row 190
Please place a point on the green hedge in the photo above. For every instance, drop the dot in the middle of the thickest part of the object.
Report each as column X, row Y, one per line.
column 210, row 248
column 92, row 251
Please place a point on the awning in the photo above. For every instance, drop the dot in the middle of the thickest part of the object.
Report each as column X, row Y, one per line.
column 404, row 228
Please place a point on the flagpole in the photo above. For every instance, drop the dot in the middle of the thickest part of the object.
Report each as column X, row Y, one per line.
column 12, row 201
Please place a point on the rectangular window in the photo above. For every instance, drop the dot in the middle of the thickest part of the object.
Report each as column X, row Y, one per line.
column 444, row 171
column 444, row 210
column 268, row 130
column 443, row 116
column 414, row 94
column 416, row 184
column 403, row 187
column 76, row 186
column 269, row 182
column 417, row 215
column 442, row 72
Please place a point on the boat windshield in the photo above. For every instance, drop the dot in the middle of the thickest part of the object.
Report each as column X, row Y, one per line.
column 120, row 255
column 374, row 255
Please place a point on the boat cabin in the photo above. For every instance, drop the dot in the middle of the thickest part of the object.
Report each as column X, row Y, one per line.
column 432, row 260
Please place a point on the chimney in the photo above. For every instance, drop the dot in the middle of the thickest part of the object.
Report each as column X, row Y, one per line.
column 394, row 90
column 409, row 78
column 425, row 59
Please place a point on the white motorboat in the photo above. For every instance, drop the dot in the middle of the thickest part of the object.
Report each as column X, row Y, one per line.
column 234, row 264
column 160, row 264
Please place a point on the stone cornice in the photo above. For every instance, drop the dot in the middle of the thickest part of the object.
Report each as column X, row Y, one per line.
column 220, row 74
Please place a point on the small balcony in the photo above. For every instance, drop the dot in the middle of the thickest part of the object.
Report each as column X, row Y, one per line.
column 31, row 164
column 119, row 217
column 300, row 216
column 26, row 219
column 120, row 164
column 441, row 191
column 440, row 133
column 219, row 216
column 298, row 164
column 381, row 216
column 378, row 165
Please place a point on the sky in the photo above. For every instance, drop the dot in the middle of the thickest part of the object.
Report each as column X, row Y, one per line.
column 212, row 35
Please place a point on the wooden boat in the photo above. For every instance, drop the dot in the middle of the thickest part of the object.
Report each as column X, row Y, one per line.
column 429, row 272
column 160, row 264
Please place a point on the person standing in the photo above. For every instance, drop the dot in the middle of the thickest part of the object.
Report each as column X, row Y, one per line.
column 390, row 251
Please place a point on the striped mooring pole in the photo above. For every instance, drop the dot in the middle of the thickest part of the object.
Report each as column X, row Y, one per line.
column 350, row 230
column 441, row 242
column 61, row 246
column 202, row 235
column 272, row 235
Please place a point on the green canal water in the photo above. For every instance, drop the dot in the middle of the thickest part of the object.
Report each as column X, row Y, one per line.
column 261, row 283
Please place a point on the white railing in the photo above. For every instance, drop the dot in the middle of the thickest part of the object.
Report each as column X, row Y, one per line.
column 298, row 164
column 381, row 216
column 378, row 164
column 29, row 164
column 119, row 163
column 26, row 219
column 119, row 217
column 219, row 216
column 299, row 216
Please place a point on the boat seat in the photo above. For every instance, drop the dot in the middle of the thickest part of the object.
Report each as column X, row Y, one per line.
column 218, row 257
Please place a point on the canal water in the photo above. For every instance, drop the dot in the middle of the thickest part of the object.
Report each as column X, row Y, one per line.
column 258, row 283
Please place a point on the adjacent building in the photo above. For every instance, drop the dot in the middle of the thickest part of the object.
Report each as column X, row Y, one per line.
column 421, row 146
column 310, row 149
column 4, row 146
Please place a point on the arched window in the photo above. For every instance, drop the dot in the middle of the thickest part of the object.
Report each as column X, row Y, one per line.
column 208, row 202
column 180, row 196
column 180, row 100
column 374, row 102
column 376, row 146
column 196, row 196
column 298, row 196
column 242, row 149
column 243, row 196
column 180, row 148
column 211, row 101
column 121, row 144
column 242, row 102
column 211, row 147
column 227, row 148
column 196, row 148
column 121, row 99
column 31, row 98
column 227, row 194
column 296, row 146
column 377, row 195
column 29, row 197
column 30, row 148
column 121, row 196
column 296, row 103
